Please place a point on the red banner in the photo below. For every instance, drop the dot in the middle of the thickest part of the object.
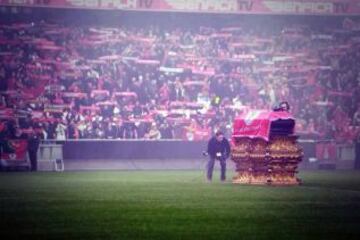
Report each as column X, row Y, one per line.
column 256, row 123
column 14, row 150
column 6, row 113
column 321, row 7
column 58, row 108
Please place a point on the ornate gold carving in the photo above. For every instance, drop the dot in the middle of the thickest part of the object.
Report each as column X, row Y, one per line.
column 260, row 162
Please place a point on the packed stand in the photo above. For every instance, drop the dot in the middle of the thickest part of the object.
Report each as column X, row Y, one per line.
column 72, row 82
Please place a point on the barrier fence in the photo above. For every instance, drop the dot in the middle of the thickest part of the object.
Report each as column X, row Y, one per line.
column 172, row 154
column 175, row 153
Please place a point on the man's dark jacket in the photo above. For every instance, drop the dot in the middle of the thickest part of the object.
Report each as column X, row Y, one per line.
column 33, row 143
column 214, row 146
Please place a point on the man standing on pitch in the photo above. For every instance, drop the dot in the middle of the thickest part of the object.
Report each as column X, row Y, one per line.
column 33, row 146
column 218, row 149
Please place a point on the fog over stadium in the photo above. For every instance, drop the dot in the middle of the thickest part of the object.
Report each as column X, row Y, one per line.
column 154, row 119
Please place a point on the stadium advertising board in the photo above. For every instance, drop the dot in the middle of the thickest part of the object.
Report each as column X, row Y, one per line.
column 321, row 7
column 14, row 150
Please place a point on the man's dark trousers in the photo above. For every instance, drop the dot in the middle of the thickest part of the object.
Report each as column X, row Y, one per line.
column 210, row 168
column 33, row 160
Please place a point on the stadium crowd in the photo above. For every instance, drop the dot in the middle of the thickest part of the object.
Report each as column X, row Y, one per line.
column 71, row 82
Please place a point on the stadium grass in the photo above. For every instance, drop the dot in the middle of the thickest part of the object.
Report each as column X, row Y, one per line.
column 176, row 205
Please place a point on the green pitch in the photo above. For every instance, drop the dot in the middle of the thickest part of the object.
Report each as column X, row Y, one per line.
column 176, row 205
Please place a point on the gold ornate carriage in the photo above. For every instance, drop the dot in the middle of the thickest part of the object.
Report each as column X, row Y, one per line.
column 265, row 150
